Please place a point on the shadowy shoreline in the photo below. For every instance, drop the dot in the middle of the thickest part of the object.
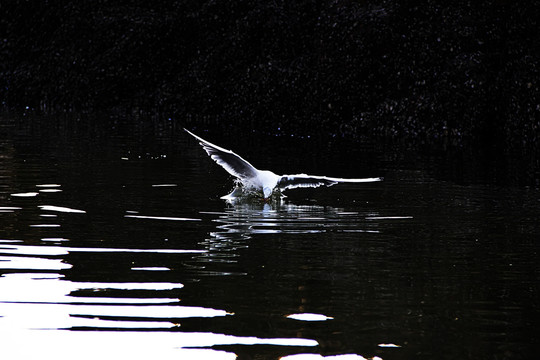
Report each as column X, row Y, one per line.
column 457, row 73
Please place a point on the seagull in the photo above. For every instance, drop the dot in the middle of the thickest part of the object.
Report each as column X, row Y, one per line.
column 265, row 182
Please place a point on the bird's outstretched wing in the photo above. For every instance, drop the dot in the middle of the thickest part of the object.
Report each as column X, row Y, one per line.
column 303, row 180
column 231, row 162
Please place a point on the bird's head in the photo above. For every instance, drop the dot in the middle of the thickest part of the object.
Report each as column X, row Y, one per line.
column 267, row 193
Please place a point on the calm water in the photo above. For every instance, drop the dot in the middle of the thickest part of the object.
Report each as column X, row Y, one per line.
column 113, row 240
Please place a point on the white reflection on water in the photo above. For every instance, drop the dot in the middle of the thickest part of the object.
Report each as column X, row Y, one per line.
column 64, row 250
column 151, row 268
column 55, row 239
column 145, row 345
column 9, row 208
column 50, row 190
column 48, row 308
column 12, row 262
column 309, row 317
column 46, row 301
column 61, row 209
column 32, row 300
column 26, row 194
column 63, row 345
column 66, row 316
column 51, row 288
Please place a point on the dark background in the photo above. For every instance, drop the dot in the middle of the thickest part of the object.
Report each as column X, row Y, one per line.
column 411, row 71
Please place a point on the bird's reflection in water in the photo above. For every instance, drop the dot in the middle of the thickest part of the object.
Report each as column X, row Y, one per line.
column 246, row 217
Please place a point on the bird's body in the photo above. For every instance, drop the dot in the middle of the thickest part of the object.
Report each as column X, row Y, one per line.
column 266, row 182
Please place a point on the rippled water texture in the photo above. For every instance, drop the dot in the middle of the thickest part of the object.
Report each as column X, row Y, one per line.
column 114, row 240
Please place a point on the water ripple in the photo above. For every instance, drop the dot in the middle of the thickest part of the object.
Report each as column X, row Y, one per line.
column 242, row 221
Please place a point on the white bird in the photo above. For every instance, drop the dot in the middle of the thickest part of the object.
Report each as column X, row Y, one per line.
column 265, row 180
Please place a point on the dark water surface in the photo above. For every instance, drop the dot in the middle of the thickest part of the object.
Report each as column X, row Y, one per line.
column 113, row 240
